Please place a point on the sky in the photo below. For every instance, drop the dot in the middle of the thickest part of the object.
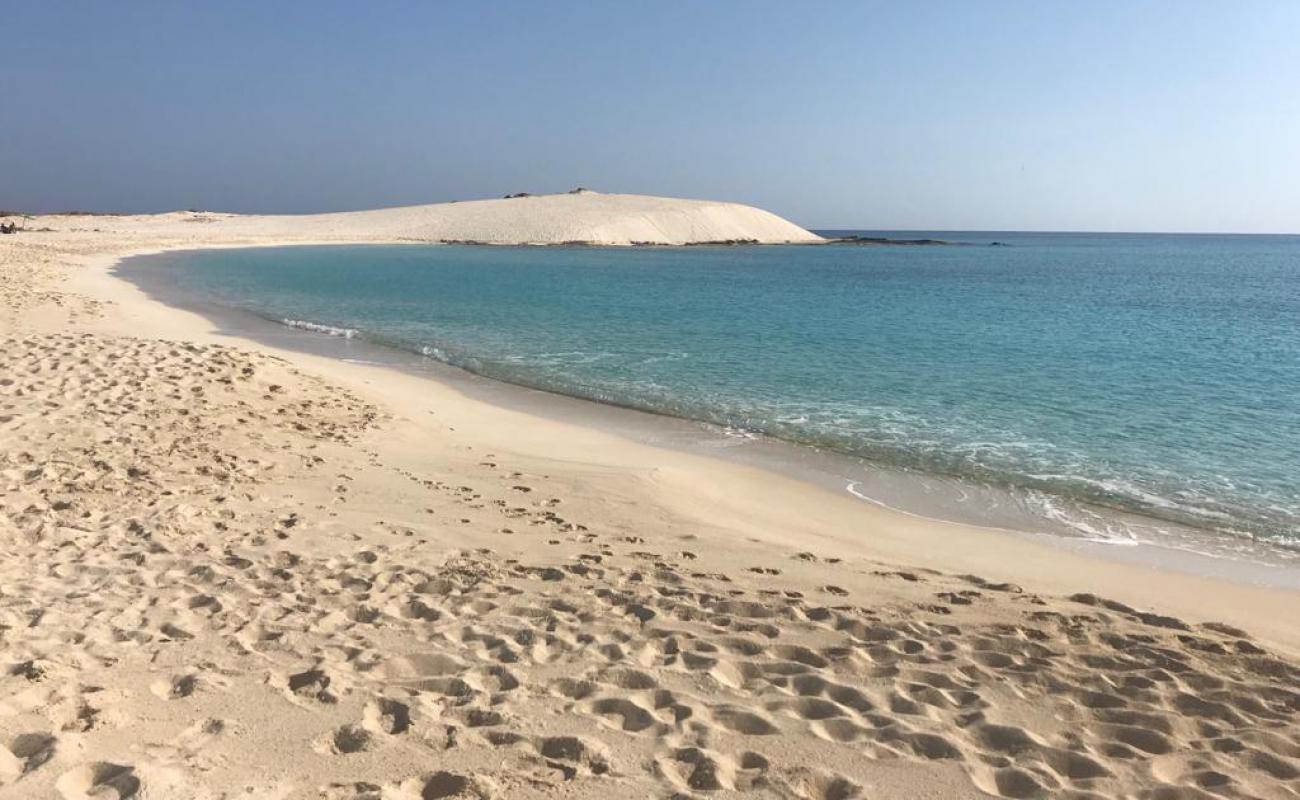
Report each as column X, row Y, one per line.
column 1096, row 116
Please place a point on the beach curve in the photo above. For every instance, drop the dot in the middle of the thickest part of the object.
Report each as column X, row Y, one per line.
column 381, row 570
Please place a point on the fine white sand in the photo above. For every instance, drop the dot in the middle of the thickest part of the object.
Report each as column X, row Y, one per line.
column 232, row 572
column 586, row 217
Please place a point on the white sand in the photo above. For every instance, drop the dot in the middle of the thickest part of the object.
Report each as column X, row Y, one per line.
column 588, row 217
column 231, row 572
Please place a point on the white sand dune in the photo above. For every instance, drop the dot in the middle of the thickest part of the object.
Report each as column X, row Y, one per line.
column 585, row 216
column 232, row 572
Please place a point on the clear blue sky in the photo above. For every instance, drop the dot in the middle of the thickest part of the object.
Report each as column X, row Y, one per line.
column 1170, row 116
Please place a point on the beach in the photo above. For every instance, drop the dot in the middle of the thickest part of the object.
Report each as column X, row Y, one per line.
column 232, row 570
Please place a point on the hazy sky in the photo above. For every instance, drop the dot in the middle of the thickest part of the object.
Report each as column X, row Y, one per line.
column 1171, row 116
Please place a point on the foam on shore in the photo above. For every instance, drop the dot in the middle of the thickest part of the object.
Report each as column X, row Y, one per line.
column 316, row 327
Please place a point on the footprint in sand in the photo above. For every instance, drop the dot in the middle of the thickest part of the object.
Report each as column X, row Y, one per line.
column 176, row 687
column 451, row 784
column 386, row 715
column 436, row 786
column 822, row 785
column 345, row 740
column 695, row 769
column 25, row 753
column 100, row 780
column 310, row 684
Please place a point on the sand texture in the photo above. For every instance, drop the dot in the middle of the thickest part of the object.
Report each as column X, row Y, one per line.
column 228, row 572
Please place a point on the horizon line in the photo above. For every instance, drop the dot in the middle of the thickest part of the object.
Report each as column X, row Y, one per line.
column 815, row 229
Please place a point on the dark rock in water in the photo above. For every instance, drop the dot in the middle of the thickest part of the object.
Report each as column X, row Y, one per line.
column 886, row 240
column 998, row 244
column 723, row 242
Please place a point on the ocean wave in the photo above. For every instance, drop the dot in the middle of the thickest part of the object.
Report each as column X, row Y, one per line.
column 436, row 353
column 316, row 327
column 1065, row 488
column 1088, row 524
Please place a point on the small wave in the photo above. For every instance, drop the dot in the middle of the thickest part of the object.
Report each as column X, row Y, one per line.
column 1091, row 526
column 316, row 327
column 1088, row 526
column 730, row 437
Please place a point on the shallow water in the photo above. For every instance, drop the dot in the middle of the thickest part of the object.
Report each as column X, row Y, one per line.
column 1158, row 375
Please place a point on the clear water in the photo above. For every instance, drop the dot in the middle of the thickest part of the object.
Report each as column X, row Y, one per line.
column 1152, row 374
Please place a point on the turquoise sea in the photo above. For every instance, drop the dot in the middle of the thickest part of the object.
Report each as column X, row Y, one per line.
column 1155, row 375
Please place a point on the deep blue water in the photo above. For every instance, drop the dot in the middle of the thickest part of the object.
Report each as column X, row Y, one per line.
column 1150, row 373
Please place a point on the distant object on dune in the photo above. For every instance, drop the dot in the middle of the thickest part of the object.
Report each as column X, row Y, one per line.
column 13, row 218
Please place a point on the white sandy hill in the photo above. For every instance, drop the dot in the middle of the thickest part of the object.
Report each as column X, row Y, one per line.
column 580, row 216
column 583, row 216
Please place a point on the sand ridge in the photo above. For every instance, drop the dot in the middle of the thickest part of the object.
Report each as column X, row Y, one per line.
column 582, row 217
column 224, row 575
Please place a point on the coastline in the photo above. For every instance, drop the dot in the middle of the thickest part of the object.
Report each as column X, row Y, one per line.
column 1017, row 556
column 235, row 566
column 986, row 508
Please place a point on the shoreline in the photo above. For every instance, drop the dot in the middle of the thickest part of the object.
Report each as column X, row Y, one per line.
column 234, row 567
column 900, row 490
column 900, row 538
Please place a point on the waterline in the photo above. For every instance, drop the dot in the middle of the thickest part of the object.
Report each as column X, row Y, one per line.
column 841, row 378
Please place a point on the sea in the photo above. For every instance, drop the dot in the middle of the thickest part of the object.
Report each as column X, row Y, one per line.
column 1120, row 389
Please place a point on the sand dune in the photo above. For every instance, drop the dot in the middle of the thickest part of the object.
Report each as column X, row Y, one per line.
column 588, row 217
column 229, row 574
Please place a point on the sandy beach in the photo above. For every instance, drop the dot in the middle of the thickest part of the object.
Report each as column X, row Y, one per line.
column 235, row 572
